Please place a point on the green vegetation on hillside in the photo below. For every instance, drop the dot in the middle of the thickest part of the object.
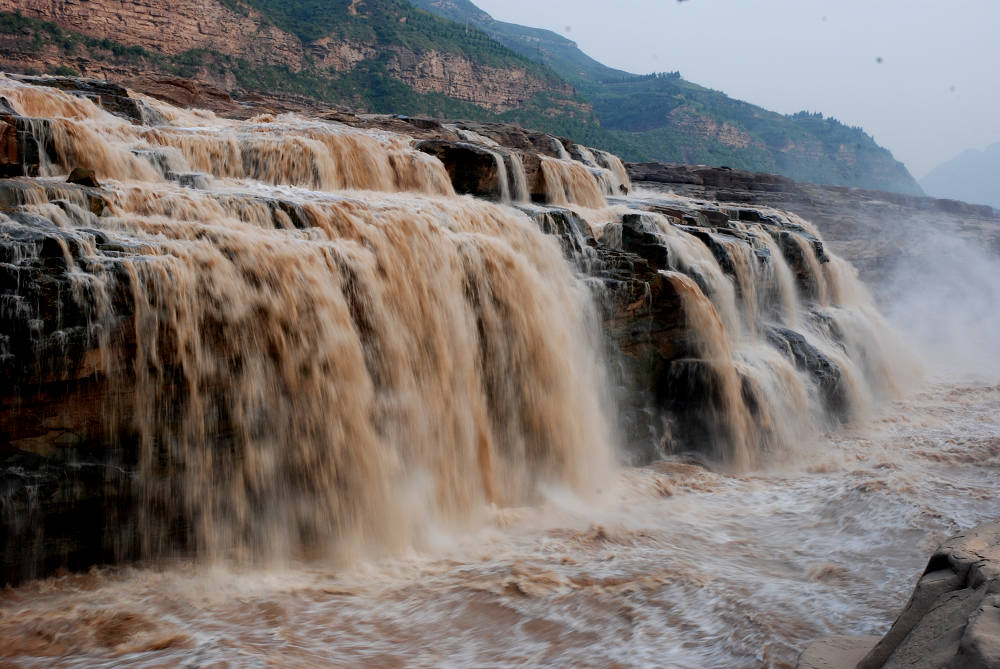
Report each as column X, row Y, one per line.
column 664, row 117
column 388, row 22
column 44, row 33
column 640, row 117
column 674, row 120
column 368, row 87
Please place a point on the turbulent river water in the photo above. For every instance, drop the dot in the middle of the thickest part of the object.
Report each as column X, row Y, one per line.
column 379, row 412
column 672, row 566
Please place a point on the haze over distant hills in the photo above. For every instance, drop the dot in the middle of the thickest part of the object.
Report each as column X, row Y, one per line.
column 441, row 58
column 972, row 176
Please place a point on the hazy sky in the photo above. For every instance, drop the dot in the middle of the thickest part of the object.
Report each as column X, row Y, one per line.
column 935, row 93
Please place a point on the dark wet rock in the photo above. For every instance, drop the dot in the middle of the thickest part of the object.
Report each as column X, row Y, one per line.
column 289, row 214
column 574, row 234
column 20, row 151
column 798, row 262
column 188, row 179
column 472, row 168
column 824, row 372
column 72, row 507
column 576, row 153
column 158, row 159
column 76, row 85
column 6, row 108
column 83, row 177
column 64, row 478
column 638, row 236
column 421, row 123
column 514, row 137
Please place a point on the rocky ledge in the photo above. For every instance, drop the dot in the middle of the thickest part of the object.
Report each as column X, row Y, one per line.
column 952, row 620
column 874, row 230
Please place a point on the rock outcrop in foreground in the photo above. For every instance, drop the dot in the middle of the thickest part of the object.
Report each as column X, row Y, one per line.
column 952, row 620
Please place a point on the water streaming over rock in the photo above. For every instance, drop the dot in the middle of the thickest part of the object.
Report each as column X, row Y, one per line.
column 286, row 339
column 311, row 368
column 569, row 182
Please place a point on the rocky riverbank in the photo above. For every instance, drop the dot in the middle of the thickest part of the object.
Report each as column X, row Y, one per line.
column 952, row 620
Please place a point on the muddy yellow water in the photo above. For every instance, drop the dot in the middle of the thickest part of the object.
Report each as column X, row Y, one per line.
column 671, row 566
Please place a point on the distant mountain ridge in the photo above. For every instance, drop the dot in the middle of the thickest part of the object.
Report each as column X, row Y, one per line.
column 972, row 176
column 663, row 117
column 440, row 58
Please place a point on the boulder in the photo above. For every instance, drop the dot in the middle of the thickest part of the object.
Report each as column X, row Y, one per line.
column 83, row 177
column 472, row 168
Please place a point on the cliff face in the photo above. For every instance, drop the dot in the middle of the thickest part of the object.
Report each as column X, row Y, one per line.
column 496, row 89
column 238, row 47
column 169, row 28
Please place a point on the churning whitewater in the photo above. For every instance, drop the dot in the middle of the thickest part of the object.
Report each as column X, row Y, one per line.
column 378, row 423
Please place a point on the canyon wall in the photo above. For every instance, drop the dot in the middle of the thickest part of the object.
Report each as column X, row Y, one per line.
column 198, row 32
column 170, row 28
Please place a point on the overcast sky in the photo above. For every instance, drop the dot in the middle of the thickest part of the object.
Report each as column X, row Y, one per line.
column 934, row 94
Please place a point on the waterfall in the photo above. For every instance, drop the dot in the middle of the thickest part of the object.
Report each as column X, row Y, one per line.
column 293, row 336
column 311, row 363
column 777, row 340
column 569, row 182
column 518, row 178
column 620, row 182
